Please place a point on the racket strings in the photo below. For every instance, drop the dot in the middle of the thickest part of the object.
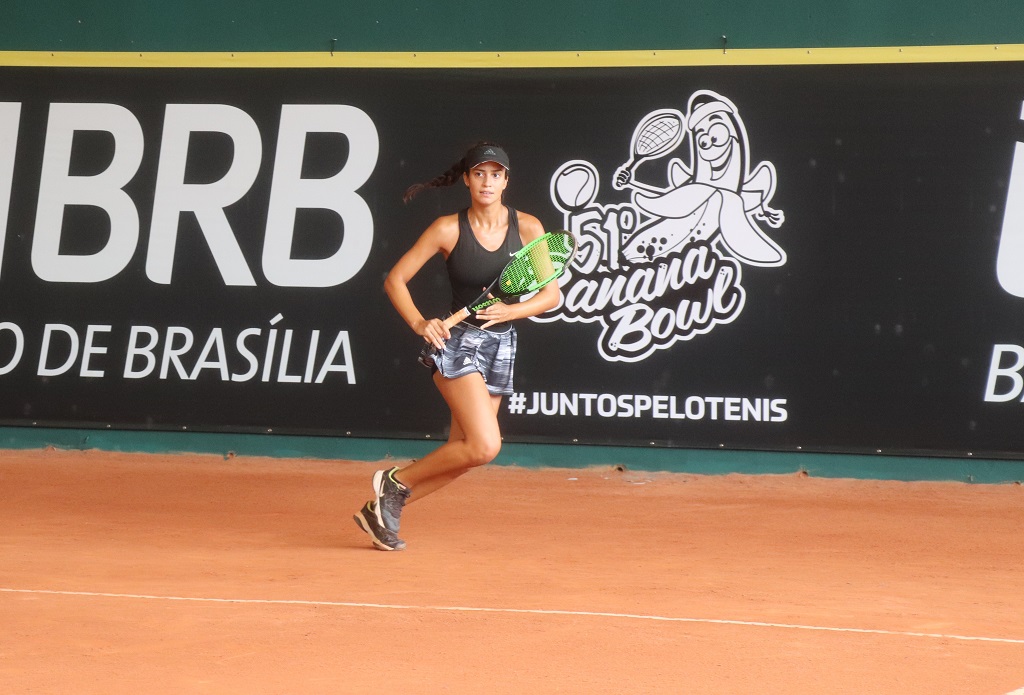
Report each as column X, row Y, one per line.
column 657, row 134
column 538, row 265
column 520, row 275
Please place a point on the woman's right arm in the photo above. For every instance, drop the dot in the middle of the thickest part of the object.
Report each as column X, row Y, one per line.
column 436, row 239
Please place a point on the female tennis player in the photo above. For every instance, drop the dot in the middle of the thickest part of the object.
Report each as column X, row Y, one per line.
column 472, row 362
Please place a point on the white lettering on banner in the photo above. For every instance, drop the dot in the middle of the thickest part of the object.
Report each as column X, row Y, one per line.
column 58, row 189
column 179, row 352
column 88, row 350
column 19, row 346
column 146, row 349
column 10, row 116
column 1010, row 258
column 998, row 375
column 290, row 192
column 207, row 200
column 658, row 407
column 172, row 196
column 44, row 353
column 173, row 353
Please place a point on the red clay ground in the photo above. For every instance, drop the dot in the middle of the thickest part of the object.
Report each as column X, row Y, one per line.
column 195, row 574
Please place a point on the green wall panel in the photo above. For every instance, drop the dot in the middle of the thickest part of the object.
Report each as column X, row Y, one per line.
column 694, row 461
column 527, row 25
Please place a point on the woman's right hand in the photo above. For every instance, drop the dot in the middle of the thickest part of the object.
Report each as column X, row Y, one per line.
column 433, row 332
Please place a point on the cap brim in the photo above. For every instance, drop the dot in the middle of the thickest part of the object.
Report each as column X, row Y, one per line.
column 490, row 161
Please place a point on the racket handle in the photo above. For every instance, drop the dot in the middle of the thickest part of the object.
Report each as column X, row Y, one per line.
column 457, row 317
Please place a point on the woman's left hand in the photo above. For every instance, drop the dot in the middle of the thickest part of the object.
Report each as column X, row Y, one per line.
column 499, row 312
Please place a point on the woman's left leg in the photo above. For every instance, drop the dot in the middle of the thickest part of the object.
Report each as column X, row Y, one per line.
column 436, row 482
column 474, row 410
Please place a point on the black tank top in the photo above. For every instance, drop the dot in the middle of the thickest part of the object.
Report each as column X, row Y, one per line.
column 471, row 267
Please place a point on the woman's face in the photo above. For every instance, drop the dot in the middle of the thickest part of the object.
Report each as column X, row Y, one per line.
column 486, row 182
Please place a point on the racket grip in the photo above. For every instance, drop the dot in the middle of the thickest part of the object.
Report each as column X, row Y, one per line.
column 457, row 317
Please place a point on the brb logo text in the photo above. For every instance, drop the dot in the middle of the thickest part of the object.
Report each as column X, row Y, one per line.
column 1010, row 261
column 172, row 195
column 666, row 264
column 1005, row 382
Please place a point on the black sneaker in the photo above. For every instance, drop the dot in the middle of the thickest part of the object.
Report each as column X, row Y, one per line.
column 391, row 497
column 383, row 539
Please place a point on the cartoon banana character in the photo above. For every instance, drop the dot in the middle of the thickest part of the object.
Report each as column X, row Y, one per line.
column 719, row 196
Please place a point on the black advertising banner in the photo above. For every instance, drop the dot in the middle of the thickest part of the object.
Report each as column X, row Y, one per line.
column 820, row 257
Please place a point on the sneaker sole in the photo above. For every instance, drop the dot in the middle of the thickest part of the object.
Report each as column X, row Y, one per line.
column 361, row 523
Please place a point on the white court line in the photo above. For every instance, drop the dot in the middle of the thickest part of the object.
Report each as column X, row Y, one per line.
column 1018, row 691
column 527, row 611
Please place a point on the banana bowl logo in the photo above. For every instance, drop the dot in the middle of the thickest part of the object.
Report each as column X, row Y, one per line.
column 666, row 264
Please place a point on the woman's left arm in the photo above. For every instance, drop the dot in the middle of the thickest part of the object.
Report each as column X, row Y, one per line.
column 545, row 299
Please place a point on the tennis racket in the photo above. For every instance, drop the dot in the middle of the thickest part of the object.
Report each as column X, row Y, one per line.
column 542, row 260
column 531, row 268
column 655, row 136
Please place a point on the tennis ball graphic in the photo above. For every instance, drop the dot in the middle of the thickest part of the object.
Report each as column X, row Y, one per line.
column 574, row 186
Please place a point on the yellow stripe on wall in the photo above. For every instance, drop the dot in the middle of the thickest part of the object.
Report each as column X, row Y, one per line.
column 521, row 59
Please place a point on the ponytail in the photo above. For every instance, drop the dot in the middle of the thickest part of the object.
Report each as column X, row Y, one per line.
column 448, row 178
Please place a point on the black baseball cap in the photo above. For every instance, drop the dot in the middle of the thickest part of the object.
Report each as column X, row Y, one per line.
column 486, row 153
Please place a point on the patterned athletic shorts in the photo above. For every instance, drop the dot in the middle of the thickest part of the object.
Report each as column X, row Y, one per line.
column 471, row 349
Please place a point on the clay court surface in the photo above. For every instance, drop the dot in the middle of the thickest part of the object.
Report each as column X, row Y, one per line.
column 200, row 574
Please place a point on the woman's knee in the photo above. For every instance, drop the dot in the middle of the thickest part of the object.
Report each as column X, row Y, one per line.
column 483, row 450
